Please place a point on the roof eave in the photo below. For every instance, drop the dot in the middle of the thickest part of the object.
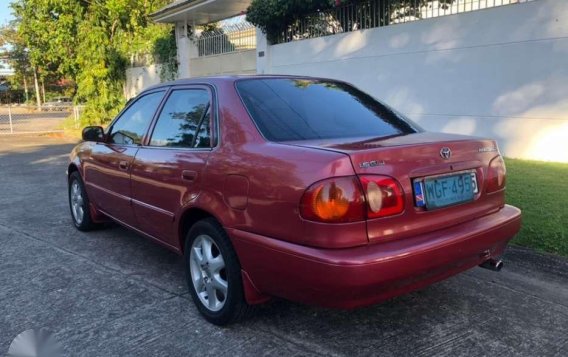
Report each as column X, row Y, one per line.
column 167, row 12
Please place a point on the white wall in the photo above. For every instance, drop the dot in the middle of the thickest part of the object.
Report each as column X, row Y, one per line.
column 500, row 72
column 190, row 65
column 243, row 62
column 140, row 78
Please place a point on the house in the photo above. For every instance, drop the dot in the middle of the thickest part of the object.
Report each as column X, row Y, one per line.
column 492, row 68
column 187, row 15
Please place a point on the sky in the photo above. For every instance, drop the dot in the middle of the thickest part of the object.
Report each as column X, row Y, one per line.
column 5, row 11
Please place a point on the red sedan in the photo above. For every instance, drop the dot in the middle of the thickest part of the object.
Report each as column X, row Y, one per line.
column 301, row 188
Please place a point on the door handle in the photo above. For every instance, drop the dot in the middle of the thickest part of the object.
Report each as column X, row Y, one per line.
column 123, row 165
column 188, row 175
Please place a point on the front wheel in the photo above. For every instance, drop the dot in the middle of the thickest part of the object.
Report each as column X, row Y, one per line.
column 79, row 204
column 214, row 273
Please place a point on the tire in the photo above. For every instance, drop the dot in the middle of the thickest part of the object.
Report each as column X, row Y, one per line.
column 79, row 204
column 213, row 269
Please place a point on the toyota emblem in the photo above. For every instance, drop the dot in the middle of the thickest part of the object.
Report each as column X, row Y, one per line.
column 446, row 153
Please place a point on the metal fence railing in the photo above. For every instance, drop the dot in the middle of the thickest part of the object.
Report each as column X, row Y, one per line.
column 368, row 14
column 233, row 38
column 30, row 120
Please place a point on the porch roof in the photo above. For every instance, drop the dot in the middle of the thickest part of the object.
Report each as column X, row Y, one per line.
column 200, row 12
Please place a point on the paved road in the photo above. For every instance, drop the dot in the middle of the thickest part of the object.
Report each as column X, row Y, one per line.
column 112, row 293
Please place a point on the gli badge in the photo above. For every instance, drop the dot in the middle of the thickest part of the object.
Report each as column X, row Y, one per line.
column 446, row 153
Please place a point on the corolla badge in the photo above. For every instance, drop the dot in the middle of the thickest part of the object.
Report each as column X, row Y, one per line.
column 374, row 163
column 488, row 149
column 446, row 153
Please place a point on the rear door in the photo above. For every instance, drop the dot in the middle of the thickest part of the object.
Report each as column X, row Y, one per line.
column 108, row 169
column 167, row 172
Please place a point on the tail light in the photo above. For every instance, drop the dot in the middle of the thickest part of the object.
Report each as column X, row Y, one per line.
column 384, row 196
column 336, row 200
column 352, row 199
column 496, row 175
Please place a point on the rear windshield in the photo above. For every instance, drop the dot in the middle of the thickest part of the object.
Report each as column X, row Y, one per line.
column 290, row 109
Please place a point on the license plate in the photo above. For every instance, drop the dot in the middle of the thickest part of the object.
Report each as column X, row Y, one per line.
column 443, row 191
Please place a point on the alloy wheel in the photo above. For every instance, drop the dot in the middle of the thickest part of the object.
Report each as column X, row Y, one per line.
column 77, row 202
column 208, row 273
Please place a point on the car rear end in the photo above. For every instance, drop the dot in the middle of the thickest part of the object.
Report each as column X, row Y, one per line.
column 434, row 181
column 433, row 204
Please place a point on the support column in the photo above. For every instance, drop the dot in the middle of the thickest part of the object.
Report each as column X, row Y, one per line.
column 186, row 49
column 263, row 60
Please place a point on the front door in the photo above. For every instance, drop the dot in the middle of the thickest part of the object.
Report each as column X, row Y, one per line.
column 108, row 168
column 167, row 174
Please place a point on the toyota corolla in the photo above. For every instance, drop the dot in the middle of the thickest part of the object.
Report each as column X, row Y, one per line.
column 292, row 187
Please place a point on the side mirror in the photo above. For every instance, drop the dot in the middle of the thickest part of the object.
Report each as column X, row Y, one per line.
column 94, row 133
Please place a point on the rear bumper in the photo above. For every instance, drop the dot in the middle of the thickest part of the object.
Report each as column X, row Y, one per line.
column 353, row 277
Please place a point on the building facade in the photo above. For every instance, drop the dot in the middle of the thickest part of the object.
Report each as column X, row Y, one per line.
column 492, row 68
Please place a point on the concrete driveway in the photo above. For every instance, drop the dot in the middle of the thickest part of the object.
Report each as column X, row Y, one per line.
column 112, row 293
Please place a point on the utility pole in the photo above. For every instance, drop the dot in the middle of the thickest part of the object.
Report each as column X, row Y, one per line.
column 26, row 88
column 36, row 84
column 43, row 90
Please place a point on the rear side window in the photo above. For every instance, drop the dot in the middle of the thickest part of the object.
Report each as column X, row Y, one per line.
column 287, row 109
column 185, row 120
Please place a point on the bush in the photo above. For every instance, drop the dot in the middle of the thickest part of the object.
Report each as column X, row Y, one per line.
column 273, row 16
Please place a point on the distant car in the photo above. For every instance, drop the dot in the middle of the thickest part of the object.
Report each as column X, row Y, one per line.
column 294, row 187
column 58, row 104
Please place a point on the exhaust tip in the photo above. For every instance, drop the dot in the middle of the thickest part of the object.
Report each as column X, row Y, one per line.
column 493, row 264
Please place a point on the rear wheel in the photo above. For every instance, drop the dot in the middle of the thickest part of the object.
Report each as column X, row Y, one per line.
column 79, row 204
column 214, row 273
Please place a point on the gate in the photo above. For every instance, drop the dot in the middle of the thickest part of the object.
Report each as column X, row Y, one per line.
column 230, row 49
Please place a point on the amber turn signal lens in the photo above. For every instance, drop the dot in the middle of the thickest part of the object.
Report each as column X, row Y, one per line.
column 335, row 200
column 330, row 202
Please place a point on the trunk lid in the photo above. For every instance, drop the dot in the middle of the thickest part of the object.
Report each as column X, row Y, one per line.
column 415, row 157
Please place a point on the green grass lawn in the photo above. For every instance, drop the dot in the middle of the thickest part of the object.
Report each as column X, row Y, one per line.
column 540, row 189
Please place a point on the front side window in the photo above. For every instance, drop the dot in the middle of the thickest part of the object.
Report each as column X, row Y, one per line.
column 130, row 128
column 290, row 109
column 185, row 120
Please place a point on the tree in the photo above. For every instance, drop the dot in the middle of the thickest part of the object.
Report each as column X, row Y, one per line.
column 110, row 33
column 49, row 31
column 17, row 55
column 89, row 42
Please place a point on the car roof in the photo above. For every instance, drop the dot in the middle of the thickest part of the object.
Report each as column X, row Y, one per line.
column 227, row 78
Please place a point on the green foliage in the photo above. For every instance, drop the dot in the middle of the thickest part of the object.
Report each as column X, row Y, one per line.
column 90, row 42
column 51, row 26
column 165, row 51
column 102, row 73
column 19, row 59
column 273, row 16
